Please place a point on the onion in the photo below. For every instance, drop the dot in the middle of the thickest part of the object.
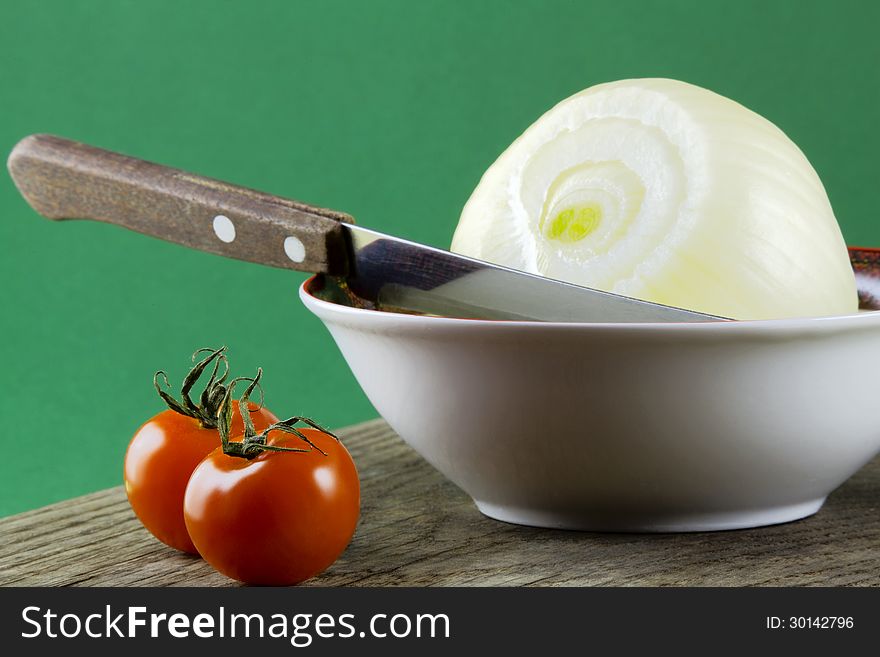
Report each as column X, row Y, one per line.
column 666, row 192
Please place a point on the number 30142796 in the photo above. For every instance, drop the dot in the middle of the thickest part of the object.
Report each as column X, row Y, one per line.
column 810, row 623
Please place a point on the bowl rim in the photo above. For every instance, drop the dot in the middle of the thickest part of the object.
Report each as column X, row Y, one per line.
column 321, row 307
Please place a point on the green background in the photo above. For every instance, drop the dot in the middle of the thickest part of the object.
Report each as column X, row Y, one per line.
column 387, row 110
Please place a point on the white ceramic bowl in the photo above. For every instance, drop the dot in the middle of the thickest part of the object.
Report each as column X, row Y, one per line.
column 625, row 427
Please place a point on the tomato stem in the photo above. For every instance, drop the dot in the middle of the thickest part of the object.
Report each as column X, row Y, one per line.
column 212, row 396
column 252, row 443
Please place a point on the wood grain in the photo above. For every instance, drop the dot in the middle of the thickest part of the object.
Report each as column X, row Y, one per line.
column 64, row 179
column 417, row 529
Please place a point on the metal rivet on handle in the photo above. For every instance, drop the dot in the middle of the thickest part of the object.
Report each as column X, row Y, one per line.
column 224, row 229
column 294, row 249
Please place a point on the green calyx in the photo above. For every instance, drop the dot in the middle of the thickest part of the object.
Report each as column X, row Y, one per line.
column 211, row 399
column 252, row 443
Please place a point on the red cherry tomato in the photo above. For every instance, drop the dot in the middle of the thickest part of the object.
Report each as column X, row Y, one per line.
column 277, row 518
column 159, row 461
column 165, row 450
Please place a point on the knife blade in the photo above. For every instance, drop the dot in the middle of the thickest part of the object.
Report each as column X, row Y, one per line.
column 397, row 274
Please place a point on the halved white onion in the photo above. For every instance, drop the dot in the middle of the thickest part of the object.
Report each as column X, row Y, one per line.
column 667, row 192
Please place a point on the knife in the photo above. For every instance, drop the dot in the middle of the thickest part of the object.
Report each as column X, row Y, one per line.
column 64, row 179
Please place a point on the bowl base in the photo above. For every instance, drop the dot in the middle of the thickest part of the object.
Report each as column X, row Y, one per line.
column 630, row 522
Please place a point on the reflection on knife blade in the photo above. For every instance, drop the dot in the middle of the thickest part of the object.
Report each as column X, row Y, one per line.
column 388, row 273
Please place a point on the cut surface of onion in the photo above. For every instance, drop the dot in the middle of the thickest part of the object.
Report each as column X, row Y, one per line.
column 664, row 191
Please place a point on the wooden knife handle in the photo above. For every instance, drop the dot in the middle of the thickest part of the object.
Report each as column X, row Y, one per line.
column 64, row 179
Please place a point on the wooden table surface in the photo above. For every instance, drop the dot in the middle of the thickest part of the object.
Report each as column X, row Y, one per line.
column 418, row 529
